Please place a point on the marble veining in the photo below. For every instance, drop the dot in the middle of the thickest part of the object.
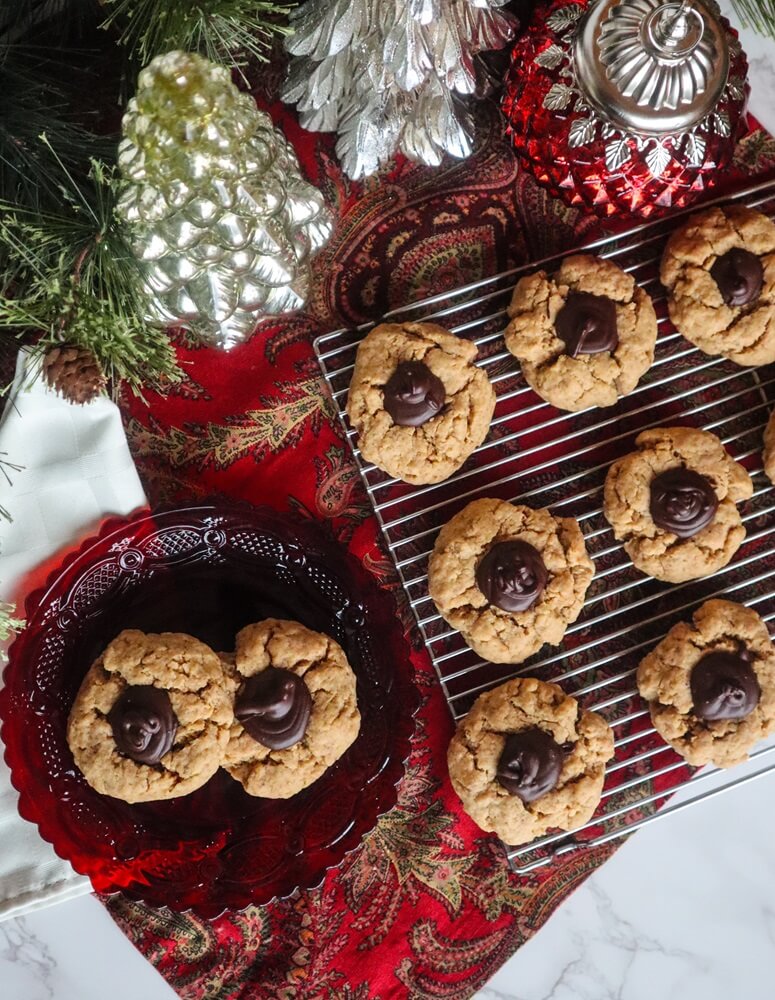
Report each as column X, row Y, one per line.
column 683, row 911
column 29, row 958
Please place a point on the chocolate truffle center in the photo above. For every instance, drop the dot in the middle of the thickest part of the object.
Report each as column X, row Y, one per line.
column 739, row 275
column 512, row 575
column 413, row 395
column 587, row 324
column 724, row 686
column 274, row 707
column 143, row 723
column 682, row 502
column 530, row 764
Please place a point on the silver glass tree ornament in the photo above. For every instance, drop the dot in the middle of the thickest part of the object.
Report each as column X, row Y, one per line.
column 217, row 210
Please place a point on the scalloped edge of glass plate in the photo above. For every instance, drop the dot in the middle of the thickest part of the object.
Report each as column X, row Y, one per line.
column 32, row 602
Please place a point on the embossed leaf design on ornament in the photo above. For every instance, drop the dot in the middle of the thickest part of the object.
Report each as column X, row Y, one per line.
column 558, row 97
column 550, row 58
column 617, row 153
column 582, row 131
column 736, row 88
column 657, row 159
column 695, row 149
column 721, row 123
column 562, row 19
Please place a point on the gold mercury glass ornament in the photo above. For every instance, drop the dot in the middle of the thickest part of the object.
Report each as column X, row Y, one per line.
column 216, row 206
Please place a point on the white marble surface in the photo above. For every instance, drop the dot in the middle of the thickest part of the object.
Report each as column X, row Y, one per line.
column 761, row 59
column 685, row 910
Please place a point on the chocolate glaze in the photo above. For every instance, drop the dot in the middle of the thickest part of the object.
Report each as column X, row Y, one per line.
column 587, row 324
column 413, row 395
column 512, row 575
column 143, row 723
column 274, row 707
column 724, row 686
column 739, row 275
column 530, row 764
column 682, row 502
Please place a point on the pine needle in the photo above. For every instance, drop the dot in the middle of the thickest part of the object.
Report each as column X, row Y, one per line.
column 70, row 275
column 33, row 102
column 757, row 14
column 226, row 31
column 5, row 465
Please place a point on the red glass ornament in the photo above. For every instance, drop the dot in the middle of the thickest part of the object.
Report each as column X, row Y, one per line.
column 586, row 157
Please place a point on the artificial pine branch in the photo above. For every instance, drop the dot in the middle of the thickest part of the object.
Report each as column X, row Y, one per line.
column 70, row 275
column 34, row 101
column 759, row 14
column 226, row 31
column 5, row 465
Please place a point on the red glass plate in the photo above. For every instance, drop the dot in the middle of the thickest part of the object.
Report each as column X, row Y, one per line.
column 207, row 570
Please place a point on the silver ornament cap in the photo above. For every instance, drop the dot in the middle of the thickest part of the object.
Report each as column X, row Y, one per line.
column 651, row 67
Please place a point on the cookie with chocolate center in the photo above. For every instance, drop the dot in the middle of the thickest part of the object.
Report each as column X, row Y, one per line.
column 510, row 578
column 583, row 336
column 719, row 271
column 152, row 717
column 527, row 759
column 673, row 502
column 710, row 685
column 295, row 708
column 418, row 402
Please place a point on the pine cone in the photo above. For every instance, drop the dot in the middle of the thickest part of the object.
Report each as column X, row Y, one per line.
column 74, row 373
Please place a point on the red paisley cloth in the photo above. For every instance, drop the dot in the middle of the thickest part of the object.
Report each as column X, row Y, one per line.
column 426, row 908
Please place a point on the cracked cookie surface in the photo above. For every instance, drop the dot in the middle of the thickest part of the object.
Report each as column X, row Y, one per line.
column 600, row 379
column 497, row 635
column 664, row 682
column 199, row 692
column 744, row 334
column 479, row 741
column 334, row 720
column 627, row 496
column 433, row 451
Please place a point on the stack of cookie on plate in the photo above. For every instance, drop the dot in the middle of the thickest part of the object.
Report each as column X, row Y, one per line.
column 510, row 578
column 157, row 715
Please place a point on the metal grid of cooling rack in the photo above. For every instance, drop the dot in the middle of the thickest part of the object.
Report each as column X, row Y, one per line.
column 538, row 455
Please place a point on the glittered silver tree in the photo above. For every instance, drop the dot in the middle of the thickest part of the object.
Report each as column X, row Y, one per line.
column 385, row 75
column 215, row 205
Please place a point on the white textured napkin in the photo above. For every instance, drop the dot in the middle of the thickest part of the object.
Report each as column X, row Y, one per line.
column 77, row 469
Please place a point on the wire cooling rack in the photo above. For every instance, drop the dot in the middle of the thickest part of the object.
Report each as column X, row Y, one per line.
column 537, row 455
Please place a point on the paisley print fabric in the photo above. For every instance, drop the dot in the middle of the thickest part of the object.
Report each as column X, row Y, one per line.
column 426, row 908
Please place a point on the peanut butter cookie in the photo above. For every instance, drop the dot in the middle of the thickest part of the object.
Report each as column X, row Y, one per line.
column 295, row 709
column 527, row 759
column 510, row 578
column 152, row 717
column 719, row 270
column 672, row 503
column 583, row 336
column 418, row 402
column 710, row 685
